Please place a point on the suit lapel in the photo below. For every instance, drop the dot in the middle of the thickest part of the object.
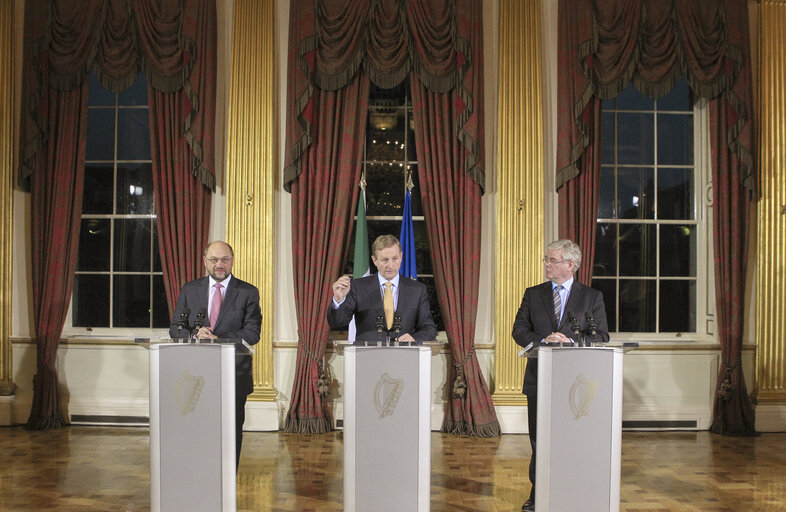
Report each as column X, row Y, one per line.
column 548, row 302
column 574, row 297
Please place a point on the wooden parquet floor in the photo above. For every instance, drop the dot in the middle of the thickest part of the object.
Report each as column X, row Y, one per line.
column 106, row 469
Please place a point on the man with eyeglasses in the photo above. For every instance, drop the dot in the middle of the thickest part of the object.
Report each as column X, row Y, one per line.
column 549, row 313
column 227, row 308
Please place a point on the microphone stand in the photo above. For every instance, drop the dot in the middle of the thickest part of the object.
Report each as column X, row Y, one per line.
column 397, row 324
column 574, row 326
column 592, row 327
column 198, row 324
column 380, row 326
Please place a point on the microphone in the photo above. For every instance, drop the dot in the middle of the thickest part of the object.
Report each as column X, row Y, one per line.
column 396, row 323
column 592, row 328
column 574, row 326
column 380, row 322
column 200, row 319
column 183, row 321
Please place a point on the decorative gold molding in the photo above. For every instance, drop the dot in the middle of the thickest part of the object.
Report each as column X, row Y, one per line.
column 7, row 117
column 250, row 167
column 771, row 239
column 519, row 206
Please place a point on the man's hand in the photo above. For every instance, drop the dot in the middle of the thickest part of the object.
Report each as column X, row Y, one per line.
column 556, row 337
column 341, row 289
column 204, row 333
column 406, row 337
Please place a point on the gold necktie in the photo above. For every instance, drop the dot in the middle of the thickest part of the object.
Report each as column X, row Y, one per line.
column 387, row 304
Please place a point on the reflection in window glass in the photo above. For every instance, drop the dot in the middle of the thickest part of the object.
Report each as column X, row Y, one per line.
column 118, row 268
column 646, row 237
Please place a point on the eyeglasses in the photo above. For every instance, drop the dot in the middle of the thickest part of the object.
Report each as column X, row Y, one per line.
column 552, row 261
column 225, row 260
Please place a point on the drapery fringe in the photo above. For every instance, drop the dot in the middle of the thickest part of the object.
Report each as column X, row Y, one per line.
column 465, row 429
column 307, row 425
column 45, row 422
column 719, row 427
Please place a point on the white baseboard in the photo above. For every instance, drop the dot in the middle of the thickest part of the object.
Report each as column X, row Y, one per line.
column 512, row 419
column 261, row 416
column 7, row 410
column 771, row 418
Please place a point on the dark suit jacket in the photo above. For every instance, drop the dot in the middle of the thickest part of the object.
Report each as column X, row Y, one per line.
column 364, row 300
column 535, row 320
column 240, row 317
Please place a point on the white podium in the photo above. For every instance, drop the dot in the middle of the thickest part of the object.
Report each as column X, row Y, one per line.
column 192, row 427
column 387, row 428
column 579, row 429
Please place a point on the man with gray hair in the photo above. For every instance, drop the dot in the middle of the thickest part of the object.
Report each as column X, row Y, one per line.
column 549, row 314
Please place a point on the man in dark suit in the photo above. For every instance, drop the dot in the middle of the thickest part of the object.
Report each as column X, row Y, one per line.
column 229, row 309
column 549, row 313
column 384, row 294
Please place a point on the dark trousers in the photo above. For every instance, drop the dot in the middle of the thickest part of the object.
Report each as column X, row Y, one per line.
column 532, row 422
column 240, row 417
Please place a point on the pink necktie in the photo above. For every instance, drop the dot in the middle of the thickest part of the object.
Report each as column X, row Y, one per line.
column 215, row 307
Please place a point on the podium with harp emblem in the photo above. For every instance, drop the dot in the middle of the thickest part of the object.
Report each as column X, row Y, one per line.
column 387, row 427
column 579, row 428
column 192, row 426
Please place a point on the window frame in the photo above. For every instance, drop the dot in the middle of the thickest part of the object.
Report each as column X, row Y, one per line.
column 702, row 195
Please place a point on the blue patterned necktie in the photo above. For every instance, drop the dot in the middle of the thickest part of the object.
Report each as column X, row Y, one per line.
column 557, row 303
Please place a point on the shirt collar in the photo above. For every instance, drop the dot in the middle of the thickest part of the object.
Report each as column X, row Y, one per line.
column 213, row 282
column 382, row 280
column 567, row 285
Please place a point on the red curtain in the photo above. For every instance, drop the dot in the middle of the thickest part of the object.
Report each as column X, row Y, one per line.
column 438, row 44
column 171, row 41
column 606, row 44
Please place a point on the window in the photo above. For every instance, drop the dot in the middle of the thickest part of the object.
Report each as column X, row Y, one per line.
column 389, row 157
column 650, row 238
column 118, row 282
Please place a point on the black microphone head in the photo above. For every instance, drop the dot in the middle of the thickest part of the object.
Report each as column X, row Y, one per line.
column 397, row 322
column 574, row 325
column 380, row 322
column 200, row 319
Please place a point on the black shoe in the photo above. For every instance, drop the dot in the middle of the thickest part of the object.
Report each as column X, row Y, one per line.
column 528, row 506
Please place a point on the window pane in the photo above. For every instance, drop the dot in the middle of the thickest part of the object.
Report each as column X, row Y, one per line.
column 100, row 144
column 675, row 194
column 412, row 154
column 160, row 308
column 97, row 95
column 637, row 305
column 132, row 245
column 675, row 141
column 606, row 199
column 607, row 138
column 605, row 250
column 385, row 190
column 608, row 287
column 385, row 135
column 133, row 134
column 637, row 245
column 131, row 301
column 631, row 99
column 635, row 187
column 94, row 238
column 90, row 300
column 678, row 98
column 97, row 196
column 135, row 189
column 156, row 253
column 635, row 138
column 422, row 248
column 677, row 299
column 134, row 95
column 436, row 314
column 678, row 250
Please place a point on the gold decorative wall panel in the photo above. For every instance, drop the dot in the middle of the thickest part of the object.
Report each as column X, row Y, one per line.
column 250, row 167
column 519, row 202
column 771, row 246
column 7, row 117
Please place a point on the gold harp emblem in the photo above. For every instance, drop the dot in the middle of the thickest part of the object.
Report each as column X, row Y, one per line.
column 386, row 395
column 187, row 391
column 582, row 393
